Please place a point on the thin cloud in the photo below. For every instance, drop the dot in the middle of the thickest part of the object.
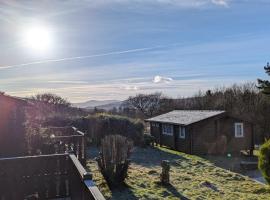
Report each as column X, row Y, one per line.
column 224, row 3
column 78, row 93
column 68, row 82
column 88, row 56
column 177, row 3
column 161, row 79
column 128, row 87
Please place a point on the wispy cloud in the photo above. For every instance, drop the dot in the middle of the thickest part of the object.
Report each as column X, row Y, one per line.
column 68, row 82
column 221, row 2
column 118, row 90
column 161, row 79
column 89, row 56
column 130, row 87
column 178, row 3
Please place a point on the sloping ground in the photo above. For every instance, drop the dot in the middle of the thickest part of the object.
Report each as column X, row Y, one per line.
column 191, row 177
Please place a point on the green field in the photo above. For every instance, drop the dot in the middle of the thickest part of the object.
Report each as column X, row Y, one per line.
column 191, row 177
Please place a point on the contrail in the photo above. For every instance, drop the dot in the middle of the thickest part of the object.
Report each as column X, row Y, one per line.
column 87, row 56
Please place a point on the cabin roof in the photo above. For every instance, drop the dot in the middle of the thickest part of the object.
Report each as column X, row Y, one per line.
column 6, row 97
column 185, row 117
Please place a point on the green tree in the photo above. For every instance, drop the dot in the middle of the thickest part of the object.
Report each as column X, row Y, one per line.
column 264, row 85
column 264, row 161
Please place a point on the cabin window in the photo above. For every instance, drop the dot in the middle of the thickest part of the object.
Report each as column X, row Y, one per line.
column 239, row 130
column 155, row 125
column 182, row 132
column 167, row 129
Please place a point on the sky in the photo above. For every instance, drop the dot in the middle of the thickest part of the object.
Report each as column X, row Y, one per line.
column 112, row 49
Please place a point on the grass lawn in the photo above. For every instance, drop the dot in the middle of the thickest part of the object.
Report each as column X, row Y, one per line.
column 191, row 177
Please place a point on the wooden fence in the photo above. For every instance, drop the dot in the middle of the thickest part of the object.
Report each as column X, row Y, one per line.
column 69, row 140
column 46, row 177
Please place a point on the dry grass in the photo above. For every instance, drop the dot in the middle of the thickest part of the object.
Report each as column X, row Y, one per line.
column 191, row 176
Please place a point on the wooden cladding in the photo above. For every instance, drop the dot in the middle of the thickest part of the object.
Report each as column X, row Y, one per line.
column 69, row 140
column 45, row 177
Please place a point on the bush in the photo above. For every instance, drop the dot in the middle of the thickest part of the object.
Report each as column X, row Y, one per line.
column 114, row 160
column 101, row 125
column 264, row 160
column 148, row 140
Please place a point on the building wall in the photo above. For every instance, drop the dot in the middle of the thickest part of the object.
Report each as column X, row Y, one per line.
column 204, row 137
column 174, row 141
column 12, row 131
column 154, row 131
column 183, row 144
column 234, row 144
column 166, row 140
column 217, row 136
column 211, row 136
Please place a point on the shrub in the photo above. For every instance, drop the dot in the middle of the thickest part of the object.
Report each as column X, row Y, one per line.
column 148, row 140
column 101, row 125
column 114, row 160
column 264, row 160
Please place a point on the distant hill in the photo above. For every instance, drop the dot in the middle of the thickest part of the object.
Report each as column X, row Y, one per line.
column 110, row 105
column 106, row 104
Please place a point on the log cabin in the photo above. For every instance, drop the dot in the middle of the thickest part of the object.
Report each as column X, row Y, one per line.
column 12, row 131
column 202, row 132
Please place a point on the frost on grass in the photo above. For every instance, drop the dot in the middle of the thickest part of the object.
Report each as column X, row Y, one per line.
column 191, row 176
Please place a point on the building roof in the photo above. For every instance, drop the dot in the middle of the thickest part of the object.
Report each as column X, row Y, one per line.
column 5, row 97
column 185, row 117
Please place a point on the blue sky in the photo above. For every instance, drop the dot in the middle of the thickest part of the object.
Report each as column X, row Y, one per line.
column 105, row 49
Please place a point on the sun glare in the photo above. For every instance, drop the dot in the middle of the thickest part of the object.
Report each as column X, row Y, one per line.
column 38, row 38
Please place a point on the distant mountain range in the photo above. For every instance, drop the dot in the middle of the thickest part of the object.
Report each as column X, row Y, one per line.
column 105, row 104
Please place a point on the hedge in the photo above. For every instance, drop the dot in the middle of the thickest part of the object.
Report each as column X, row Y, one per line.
column 100, row 125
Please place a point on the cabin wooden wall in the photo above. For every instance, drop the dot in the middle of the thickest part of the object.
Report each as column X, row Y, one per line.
column 183, row 144
column 217, row 136
column 12, row 131
column 174, row 141
column 155, row 131
column 235, row 145
column 211, row 136
column 204, row 137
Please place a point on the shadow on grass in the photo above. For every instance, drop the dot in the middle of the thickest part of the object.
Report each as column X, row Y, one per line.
column 122, row 192
column 146, row 157
column 151, row 157
column 174, row 192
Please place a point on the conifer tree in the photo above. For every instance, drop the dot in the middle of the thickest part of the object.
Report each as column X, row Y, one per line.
column 264, row 85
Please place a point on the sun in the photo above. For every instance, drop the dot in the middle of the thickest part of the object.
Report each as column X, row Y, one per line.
column 38, row 38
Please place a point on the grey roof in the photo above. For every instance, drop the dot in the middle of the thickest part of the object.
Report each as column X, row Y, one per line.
column 185, row 117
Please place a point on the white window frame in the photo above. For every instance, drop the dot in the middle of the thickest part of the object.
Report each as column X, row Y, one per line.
column 182, row 132
column 236, row 134
column 165, row 128
column 155, row 124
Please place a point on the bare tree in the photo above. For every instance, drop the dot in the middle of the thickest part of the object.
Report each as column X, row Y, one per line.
column 51, row 99
column 147, row 104
column 47, row 104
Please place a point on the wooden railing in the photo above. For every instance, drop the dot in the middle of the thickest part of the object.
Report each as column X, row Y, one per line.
column 69, row 140
column 46, row 177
